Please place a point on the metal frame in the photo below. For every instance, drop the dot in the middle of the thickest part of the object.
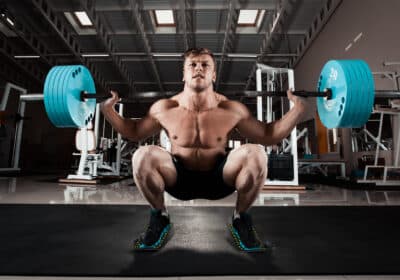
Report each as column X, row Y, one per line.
column 137, row 17
column 261, row 68
column 281, row 13
column 18, row 129
column 186, row 23
column 58, row 25
column 103, row 34
column 227, row 46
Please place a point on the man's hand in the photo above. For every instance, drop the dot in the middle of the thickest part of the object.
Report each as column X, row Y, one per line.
column 110, row 102
column 302, row 104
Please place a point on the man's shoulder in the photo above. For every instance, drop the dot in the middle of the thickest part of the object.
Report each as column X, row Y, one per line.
column 233, row 106
column 163, row 105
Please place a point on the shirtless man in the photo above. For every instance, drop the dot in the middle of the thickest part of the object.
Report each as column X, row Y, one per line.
column 198, row 121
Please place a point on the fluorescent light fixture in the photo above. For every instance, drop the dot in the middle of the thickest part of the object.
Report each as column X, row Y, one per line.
column 164, row 17
column 242, row 55
column 83, row 19
column 95, row 55
column 9, row 21
column 248, row 17
column 26, row 56
column 167, row 54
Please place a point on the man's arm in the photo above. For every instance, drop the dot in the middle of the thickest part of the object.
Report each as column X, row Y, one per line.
column 274, row 132
column 134, row 130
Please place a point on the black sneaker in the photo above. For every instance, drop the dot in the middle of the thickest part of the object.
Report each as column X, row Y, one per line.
column 244, row 234
column 156, row 233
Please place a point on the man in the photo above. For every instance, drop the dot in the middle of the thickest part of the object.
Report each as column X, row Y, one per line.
column 198, row 121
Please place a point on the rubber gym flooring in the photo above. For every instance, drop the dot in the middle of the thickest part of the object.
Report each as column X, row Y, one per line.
column 346, row 234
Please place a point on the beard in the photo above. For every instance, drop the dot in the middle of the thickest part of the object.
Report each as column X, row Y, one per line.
column 199, row 86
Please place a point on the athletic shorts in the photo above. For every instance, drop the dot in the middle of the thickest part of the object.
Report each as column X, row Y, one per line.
column 192, row 184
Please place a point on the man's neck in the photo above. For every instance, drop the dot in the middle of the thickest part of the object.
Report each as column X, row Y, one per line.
column 199, row 101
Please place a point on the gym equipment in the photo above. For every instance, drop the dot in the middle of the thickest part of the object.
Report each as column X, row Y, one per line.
column 345, row 94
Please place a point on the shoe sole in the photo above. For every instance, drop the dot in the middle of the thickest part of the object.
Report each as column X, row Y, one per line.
column 140, row 246
column 239, row 244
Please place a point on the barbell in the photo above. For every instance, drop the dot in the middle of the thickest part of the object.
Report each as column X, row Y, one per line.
column 345, row 94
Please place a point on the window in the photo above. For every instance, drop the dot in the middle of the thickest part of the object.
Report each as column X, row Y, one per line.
column 251, row 18
column 164, row 18
column 83, row 19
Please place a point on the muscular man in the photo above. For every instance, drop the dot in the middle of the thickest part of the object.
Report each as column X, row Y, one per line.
column 198, row 121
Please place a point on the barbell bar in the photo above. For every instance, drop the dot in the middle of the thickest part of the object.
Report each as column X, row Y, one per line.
column 345, row 94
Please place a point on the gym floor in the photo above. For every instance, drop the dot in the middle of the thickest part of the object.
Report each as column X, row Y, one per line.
column 45, row 189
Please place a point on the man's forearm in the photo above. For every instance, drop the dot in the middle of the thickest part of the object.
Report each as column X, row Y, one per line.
column 281, row 128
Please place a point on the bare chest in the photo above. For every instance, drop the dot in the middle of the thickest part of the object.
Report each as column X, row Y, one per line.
column 208, row 129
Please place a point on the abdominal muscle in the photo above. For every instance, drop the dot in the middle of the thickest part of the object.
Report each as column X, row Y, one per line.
column 198, row 158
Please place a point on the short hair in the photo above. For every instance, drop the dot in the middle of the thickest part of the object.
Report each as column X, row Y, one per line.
column 199, row 51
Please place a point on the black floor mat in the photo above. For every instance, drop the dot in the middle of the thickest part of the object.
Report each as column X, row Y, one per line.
column 91, row 240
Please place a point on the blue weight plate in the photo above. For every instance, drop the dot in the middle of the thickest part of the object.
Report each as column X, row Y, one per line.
column 58, row 104
column 46, row 95
column 355, row 91
column 351, row 94
column 55, row 99
column 88, row 86
column 369, row 82
column 66, row 92
column 359, row 114
column 331, row 111
column 78, row 111
column 51, row 96
column 62, row 93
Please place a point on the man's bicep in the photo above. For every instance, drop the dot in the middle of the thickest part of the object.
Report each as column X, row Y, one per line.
column 252, row 129
column 147, row 126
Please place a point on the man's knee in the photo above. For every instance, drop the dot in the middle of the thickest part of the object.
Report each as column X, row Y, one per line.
column 145, row 155
column 254, row 154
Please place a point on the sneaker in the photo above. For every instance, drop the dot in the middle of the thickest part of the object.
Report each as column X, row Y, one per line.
column 155, row 235
column 244, row 234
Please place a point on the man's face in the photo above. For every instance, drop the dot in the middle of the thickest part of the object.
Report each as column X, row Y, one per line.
column 199, row 72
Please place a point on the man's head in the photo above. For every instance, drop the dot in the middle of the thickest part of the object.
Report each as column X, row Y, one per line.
column 199, row 68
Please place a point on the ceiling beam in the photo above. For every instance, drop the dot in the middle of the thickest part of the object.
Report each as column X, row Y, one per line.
column 137, row 17
column 186, row 24
column 107, row 5
column 315, row 28
column 227, row 45
column 7, row 48
column 58, row 24
column 274, row 27
column 103, row 35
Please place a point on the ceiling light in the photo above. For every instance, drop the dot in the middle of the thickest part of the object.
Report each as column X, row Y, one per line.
column 10, row 21
column 26, row 56
column 83, row 19
column 167, row 54
column 95, row 55
column 164, row 17
column 242, row 55
column 248, row 17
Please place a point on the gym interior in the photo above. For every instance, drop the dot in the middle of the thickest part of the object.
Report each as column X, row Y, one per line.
column 69, row 206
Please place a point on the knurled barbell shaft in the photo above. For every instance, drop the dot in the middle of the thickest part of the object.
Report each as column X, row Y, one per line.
column 101, row 97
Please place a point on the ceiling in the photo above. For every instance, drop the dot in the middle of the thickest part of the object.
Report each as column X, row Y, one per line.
column 143, row 57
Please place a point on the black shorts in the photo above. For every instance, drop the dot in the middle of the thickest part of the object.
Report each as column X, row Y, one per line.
column 191, row 184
